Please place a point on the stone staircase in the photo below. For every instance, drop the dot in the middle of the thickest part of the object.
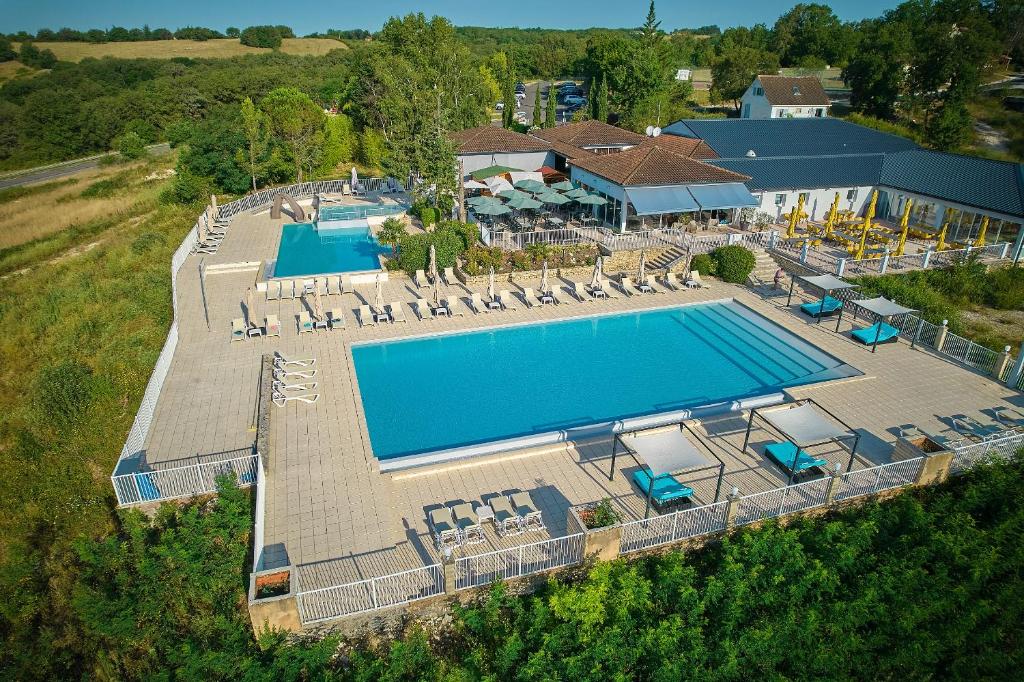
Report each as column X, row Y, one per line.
column 762, row 277
column 667, row 258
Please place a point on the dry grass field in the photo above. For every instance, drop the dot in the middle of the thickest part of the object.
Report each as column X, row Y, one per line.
column 9, row 70
column 166, row 49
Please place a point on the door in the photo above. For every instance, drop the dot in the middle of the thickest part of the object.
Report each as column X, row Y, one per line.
column 882, row 208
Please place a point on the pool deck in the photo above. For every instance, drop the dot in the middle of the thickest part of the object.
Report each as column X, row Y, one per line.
column 328, row 505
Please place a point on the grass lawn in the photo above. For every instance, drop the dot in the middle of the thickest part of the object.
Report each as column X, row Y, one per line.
column 166, row 49
column 9, row 70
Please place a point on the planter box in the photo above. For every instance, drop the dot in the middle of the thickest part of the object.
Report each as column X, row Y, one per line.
column 272, row 600
column 916, row 446
column 602, row 542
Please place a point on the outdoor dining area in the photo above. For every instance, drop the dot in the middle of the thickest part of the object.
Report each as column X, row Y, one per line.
column 521, row 201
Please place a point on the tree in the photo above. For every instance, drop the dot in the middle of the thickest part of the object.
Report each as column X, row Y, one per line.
column 734, row 71
column 257, row 137
column 650, row 32
column 436, row 164
column 299, row 123
column 810, row 33
column 551, row 108
column 232, row 32
column 391, row 232
column 538, row 116
column 508, row 94
column 261, row 36
column 131, row 146
column 876, row 73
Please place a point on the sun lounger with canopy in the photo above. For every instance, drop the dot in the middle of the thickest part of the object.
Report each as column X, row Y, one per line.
column 793, row 460
column 822, row 307
column 666, row 489
column 879, row 332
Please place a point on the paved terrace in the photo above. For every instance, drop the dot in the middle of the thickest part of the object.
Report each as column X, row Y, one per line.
column 328, row 505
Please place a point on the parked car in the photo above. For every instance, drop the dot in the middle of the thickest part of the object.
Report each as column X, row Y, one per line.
column 521, row 117
column 520, row 88
column 500, row 106
column 576, row 101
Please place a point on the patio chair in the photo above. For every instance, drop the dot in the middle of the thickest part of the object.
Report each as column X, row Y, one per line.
column 671, row 282
column 238, row 329
column 970, row 427
column 305, row 322
column 442, row 527
column 581, row 293
column 280, row 398
column 207, row 250
column 527, row 511
column 816, row 309
column 333, row 285
column 793, row 460
column 885, row 333
column 449, row 277
column 282, row 387
column 667, row 489
column 530, row 298
column 1009, row 417
column 273, row 325
column 366, row 318
column 506, row 300
column 320, row 283
column 506, row 521
column 695, row 280
column 282, row 362
column 477, row 305
column 285, row 375
column 346, row 285
column 608, row 289
column 287, row 289
column 396, row 312
column 468, row 523
column 454, row 306
column 626, row 284
column 336, row 318
column 273, row 291
column 420, row 279
column 422, row 309
column 650, row 281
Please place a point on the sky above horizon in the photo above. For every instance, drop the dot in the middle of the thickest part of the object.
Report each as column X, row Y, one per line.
column 307, row 16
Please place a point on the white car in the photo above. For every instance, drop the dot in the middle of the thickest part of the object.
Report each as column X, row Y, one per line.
column 575, row 100
column 500, row 106
column 521, row 117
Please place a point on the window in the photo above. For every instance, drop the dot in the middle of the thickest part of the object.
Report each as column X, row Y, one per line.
column 759, row 92
column 851, row 194
column 780, row 199
column 805, row 197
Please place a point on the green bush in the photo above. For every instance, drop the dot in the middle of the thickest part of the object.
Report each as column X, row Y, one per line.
column 261, row 36
column 414, row 250
column 186, row 189
column 131, row 146
column 733, row 263
column 914, row 291
column 1004, row 288
column 703, row 263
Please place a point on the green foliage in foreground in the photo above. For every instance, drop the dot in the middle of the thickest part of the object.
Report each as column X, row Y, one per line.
column 450, row 240
column 733, row 263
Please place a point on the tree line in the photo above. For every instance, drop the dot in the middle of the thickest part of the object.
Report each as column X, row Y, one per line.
column 119, row 34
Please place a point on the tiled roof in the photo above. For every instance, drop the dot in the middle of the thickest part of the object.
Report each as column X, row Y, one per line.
column 996, row 186
column 589, row 134
column 684, row 146
column 794, row 91
column 568, row 151
column 807, row 172
column 732, row 138
column 653, row 165
column 486, row 139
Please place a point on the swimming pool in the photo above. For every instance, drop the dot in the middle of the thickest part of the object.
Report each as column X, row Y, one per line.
column 457, row 390
column 356, row 211
column 306, row 250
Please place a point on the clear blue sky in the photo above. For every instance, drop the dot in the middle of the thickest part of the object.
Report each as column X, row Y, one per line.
column 306, row 16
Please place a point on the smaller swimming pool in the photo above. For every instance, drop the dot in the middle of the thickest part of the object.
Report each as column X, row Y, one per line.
column 333, row 213
column 306, row 250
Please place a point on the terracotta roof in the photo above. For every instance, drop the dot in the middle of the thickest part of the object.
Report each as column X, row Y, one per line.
column 795, row 91
column 486, row 139
column 689, row 147
column 568, row 151
column 589, row 134
column 654, row 165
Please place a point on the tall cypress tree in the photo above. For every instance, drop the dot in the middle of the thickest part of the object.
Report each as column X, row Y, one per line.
column 508, row 94
column 538, row 116
column 549, row 111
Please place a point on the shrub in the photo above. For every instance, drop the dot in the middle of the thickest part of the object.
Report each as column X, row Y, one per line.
column 261, row 36
column 480, row 259
column 733, row 263
column 603, row 514
column 1004, row 288
column 131, row 146
column 428, row 216
column 186, row 189
column 414, row 250
column 703, row 263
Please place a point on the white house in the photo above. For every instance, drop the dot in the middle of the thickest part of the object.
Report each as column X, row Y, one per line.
column 485, row 146
column 784, row 97
column 683, row 74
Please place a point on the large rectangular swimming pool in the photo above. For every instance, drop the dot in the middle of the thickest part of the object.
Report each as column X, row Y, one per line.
column 306, row 250
column 450, row 391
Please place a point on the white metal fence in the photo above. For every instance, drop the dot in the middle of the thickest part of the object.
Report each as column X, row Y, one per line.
column 782, row 501
column 679, row 525
column 369, row 595
column 515, row 562
column 875, row 479
column 1003, row 447
column 959, row 348
column 157, row 485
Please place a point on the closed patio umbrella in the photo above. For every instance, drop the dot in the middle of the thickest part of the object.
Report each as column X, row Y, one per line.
column 437, row 291
column 641, row 272
column 250, row 305
column 833, row 214
column 378, row 299
column 868, row 215
column 490, row 285
column 355, row 177
column 595, row 280
column 318, row 307
column 980, row 241
column 203, row 234
column 433, row 263
column 544, row 288
column 905, row 228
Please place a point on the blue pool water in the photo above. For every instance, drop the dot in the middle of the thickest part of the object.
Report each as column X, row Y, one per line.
column 436, row 393
column 306, row 250
column 331, row 213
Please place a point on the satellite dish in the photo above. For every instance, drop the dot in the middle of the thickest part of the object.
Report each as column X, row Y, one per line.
column 650, row 131
column 750, row 154
column 656, row 132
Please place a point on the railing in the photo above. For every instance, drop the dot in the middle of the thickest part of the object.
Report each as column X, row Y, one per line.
column 628, row 241
column 305, row 189
column 662, row 530
column 369, row 595
column 876, row 479
column 959, row 348
column 1002, row 446
column 516, row 241
column 157, row 485
column 782, row 501
column 515, row 562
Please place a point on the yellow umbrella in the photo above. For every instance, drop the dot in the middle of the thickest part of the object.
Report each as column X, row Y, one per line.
column 794, row 217
column 904, row 227
column 833, row 213
column 980, row 241
column 868, row 215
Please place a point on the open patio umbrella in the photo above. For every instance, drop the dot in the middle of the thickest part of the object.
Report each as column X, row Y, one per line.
column 523, row 203
column 641, row 271
column 563, row 186
column 544, row 288
column 490, row 285
column 531, row 185
column 980, row 241
column 595, row 280
column 318, row 307
column 478, row 200
column 492, row 209
column 904, row 227
column 868, row 215
column 473, row 184
column 491, row 171
column 553, row 198
column 513, row 194
column 498, row 184
column 433, row 263
column 378, row 299
column 250, row 305
column 576, row 193
column 592, row 200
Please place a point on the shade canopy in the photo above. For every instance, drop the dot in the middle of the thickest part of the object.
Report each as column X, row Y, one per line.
column 523, row 202
column 724, row 195
column 659, row 200
column 563, row 186
column 492, row 209
column 805, row 425
column 491, row 171
column 479, row 201
column 882, row 306
column 826, row 282
column 665, row 451
column 531, row 185
column 498, row 184
column 513, row 194
column 522, row 176
column 576, row 193
column 592, row 200
column 553, row 198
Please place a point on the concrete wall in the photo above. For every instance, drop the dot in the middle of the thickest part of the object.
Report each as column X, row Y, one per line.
column 527, row 161
column 817, row 204
column 755, row 106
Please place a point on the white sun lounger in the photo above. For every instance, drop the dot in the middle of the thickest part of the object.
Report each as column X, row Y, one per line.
column 671, row 282
column 333, row 285
column 336, row 318
column 396, row 312
column 282, row 387
column 506, row 521
column 477, row 304
column 581, row 293
column 626, row 284
column 273, row 325
column 695, row 278
column 442, row 527
column 273, row 291
column 449, row 277
column 609, row 290
column 281, row 361
column 320, row 283
column 506, row 300
column 288, row 289
column 238, row 329
column 366, row 317
column 422, row 309
column 530, row 298
column 527, row 511
column 280, row 398
column 305, row 322
column 468, row 523
column 420, row 279
column 285, row 375
column 454, row 306
column 649, row 281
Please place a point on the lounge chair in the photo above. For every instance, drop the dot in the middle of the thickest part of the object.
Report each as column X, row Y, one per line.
column 791, row 459
column 238, row 329
column 273, row 291
column 667, row 489
column 305, row 322
column 530, row 298
column 506, row 521
column 650, row 281
column 886, row 333
column 366, row 318
column 970, row 427
column 442, row 527
column 527, row 511
column 506, row 300
column 396, row 312
column 420, row 279
column 695, row 280
column 468, row 523
column 288, row 289
column 333, row 285
column 280, row 398
column 449, row 277
column 282, row 362
column 346, row 285
column 581, row 293
column 273, row 325
column 282, row 387
column 320, row 283
column 285, row 375
column 208, row 250
column 671, row 282
column 1009, row 417
column 831, row 306
column 626, row 284
column 609, row 290
column 336, row 318
column 477, row 305
column 454, row 306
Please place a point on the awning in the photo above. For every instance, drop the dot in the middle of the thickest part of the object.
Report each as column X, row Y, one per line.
column 658, row 200
column 724, row 195
column 491, row 171
column 827, row 282
column 882, row 306
column 804, row 425
column 665, row 451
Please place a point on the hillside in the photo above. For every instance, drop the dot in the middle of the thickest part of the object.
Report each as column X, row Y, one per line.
column 167, row 49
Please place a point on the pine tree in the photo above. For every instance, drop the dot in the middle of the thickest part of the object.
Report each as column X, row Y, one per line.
column 549, row 111
column 600, row 100
column 508, row 94
column 538, row 117
column 651, row 27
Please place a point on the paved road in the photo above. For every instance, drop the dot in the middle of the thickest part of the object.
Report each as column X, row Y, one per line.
column 67, row 169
